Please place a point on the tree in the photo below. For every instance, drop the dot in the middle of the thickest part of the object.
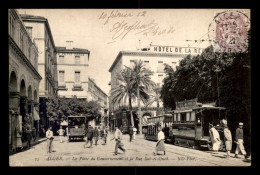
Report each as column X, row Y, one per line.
column 141, row 78
column 221, row 77
column 126, row 90
column 58, row 109
column 155, row 97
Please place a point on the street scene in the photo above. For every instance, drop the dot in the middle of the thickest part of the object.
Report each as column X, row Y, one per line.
column 137, row 153
column 129, row 87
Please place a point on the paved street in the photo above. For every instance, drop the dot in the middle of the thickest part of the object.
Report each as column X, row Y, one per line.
column 138, row 153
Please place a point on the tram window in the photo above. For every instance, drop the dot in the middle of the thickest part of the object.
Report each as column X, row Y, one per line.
column 188, row 116
column 179, row 117
column 192, row 116
column 183, row 117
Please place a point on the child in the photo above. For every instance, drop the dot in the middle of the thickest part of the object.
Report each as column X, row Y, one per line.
column 61, row 132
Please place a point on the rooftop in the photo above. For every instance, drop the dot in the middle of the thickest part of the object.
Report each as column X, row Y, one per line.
column 63, row 49
column 26, row 16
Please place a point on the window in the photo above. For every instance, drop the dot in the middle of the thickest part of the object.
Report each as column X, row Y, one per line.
column 146, row 64
column 61, row 76
column 77, row 76
column 21, row 41
column 160, row 79
column 29, row 51
column 61, row 59
column 188, row 116
column 29, row 29
column 160, row 66
column 192, row 116
column 183, row 117
column 77, row 59
column 131, row 63
column 174, row 65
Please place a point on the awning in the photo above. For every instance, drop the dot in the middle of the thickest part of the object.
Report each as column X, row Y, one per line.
column 36, row 115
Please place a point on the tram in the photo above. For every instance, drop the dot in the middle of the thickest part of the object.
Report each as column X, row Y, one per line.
column 151, row 129
column 188, row 125
column 76, row 127
column 191, row 121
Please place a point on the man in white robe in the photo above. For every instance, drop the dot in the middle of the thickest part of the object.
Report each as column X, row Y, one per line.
column 215, row 138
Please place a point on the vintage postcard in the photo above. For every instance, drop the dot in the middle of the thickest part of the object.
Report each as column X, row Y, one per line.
column 129, row 87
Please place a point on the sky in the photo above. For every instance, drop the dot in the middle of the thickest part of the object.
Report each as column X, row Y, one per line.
column 106, row 32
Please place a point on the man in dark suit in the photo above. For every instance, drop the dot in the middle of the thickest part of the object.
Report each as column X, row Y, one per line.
column 96, row 135
column 89, row 135
column 131, row 132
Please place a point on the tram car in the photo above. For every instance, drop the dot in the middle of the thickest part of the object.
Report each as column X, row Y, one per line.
column 151, row 129
column 76, row 127
column 190, row 127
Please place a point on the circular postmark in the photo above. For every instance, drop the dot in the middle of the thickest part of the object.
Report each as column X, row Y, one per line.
column 229, row 31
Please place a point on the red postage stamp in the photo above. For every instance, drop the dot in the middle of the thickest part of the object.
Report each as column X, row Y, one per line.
column 231, row 31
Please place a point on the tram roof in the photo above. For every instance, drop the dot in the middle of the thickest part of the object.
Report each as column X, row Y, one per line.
column 199, row 107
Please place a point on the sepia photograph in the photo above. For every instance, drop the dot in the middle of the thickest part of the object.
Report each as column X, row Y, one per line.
column 129, row 87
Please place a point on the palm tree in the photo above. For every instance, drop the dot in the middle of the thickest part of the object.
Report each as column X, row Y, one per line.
column 155, row 97
column 141, row 78
column 126, row 90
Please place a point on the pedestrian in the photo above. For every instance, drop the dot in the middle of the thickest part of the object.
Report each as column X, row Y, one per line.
column 28, row 132
column 96, row 135
column 89, row 135
column 131, row 133
column 34, row 135
column 118, row 139
column 215, row 138
column 134, row 133
column 104, row 135
column 49, row 135
column 239, row 140
column 160, row 143
column 61, row 133
column 228, row 140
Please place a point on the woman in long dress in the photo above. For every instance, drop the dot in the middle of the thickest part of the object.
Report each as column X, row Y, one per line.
column 160, row 143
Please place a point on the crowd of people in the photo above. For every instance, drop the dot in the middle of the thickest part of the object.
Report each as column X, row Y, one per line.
column 95, row 133
column 216, row 141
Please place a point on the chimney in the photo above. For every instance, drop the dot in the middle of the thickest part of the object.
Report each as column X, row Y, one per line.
column 69, row 45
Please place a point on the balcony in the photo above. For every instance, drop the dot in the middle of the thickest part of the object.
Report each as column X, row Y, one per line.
column 62, row 87
column 77, row 87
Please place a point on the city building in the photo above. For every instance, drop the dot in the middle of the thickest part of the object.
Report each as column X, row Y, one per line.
column 154, row 57
column 40, row 32
column 24, row 81
column 72, row 66
column 96, row 94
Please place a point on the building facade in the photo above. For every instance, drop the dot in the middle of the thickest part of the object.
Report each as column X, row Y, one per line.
column 154, row 57
column 73, row 65
column 96, row 94
column 39, row 30
column 24, row 81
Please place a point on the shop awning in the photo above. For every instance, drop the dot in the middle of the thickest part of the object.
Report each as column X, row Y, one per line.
column 36, row 115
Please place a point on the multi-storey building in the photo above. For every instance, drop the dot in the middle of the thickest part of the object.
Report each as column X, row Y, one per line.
column 96, row 94
column 39, row 30
column 73, row 65
column 24, row 80
column 153, row 58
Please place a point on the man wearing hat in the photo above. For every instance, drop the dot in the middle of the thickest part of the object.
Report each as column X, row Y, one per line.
column 239, row 141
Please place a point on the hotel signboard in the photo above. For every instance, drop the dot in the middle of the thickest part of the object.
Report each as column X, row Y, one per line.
column 176, row 50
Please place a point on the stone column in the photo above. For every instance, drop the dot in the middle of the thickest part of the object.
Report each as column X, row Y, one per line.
column 36, row 106
column 14, row 110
